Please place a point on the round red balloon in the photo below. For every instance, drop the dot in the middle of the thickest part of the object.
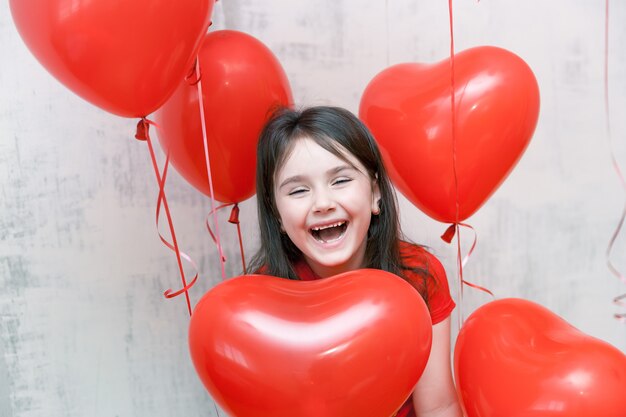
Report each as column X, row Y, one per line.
column 515, row 358
column 242, row 82
column 408, row 109
column 351, row 345
column 125, row 57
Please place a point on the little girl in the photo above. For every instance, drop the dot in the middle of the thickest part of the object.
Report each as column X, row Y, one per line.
column 326, row 206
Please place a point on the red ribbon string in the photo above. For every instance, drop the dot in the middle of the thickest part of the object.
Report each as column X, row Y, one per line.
column 208, row 226
column 216, row 236
column 234, row 219
column 143, row 134
column 454, row 162
column 455, row 227
column 621, row 299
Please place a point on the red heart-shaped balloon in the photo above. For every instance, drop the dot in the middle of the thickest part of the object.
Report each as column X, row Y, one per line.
column 350, row 345
column 408, row 109
column 515, row 358
column 242, row 82
column 125, row 57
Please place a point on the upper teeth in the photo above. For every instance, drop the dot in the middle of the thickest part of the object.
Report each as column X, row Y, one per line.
column 328, row 226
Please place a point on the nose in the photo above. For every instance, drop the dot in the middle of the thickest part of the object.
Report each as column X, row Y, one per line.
column 323, row 201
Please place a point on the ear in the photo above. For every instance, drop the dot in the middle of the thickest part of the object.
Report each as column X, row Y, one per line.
column 375, row 197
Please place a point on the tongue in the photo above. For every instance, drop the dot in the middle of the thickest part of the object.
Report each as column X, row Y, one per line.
column 329, row 234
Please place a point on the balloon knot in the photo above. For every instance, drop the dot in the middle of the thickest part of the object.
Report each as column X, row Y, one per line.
column 448, row 235
column 142, row 130
column 191, row 77
column 234, row 215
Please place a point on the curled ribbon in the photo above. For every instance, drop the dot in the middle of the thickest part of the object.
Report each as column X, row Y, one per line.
column 208, row 226
column 216, row 236
column 447, row 237
column 143, row 134
column 233, row 219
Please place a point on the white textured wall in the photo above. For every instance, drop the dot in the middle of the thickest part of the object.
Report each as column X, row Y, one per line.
column 84, row 329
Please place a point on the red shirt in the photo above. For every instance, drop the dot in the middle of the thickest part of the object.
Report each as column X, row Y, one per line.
column 434, row 289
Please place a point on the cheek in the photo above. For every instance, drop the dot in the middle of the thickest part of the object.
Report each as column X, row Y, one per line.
column 360, row 198
column 282, row 205
column 290, row 214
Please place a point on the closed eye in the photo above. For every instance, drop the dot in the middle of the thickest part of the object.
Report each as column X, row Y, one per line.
column 297, row 191
column 342, row 180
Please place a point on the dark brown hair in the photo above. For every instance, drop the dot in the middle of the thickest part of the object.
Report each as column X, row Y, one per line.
column 335, row 129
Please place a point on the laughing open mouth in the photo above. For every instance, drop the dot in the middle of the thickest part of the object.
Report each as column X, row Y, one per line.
column 330, row 232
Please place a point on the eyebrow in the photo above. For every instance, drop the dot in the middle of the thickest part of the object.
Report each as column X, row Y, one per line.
column 332, row 171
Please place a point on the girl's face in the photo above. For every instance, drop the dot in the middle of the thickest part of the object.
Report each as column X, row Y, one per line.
column 325, row 206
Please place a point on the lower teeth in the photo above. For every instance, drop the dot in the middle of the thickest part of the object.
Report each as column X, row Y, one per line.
column 329, row 235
